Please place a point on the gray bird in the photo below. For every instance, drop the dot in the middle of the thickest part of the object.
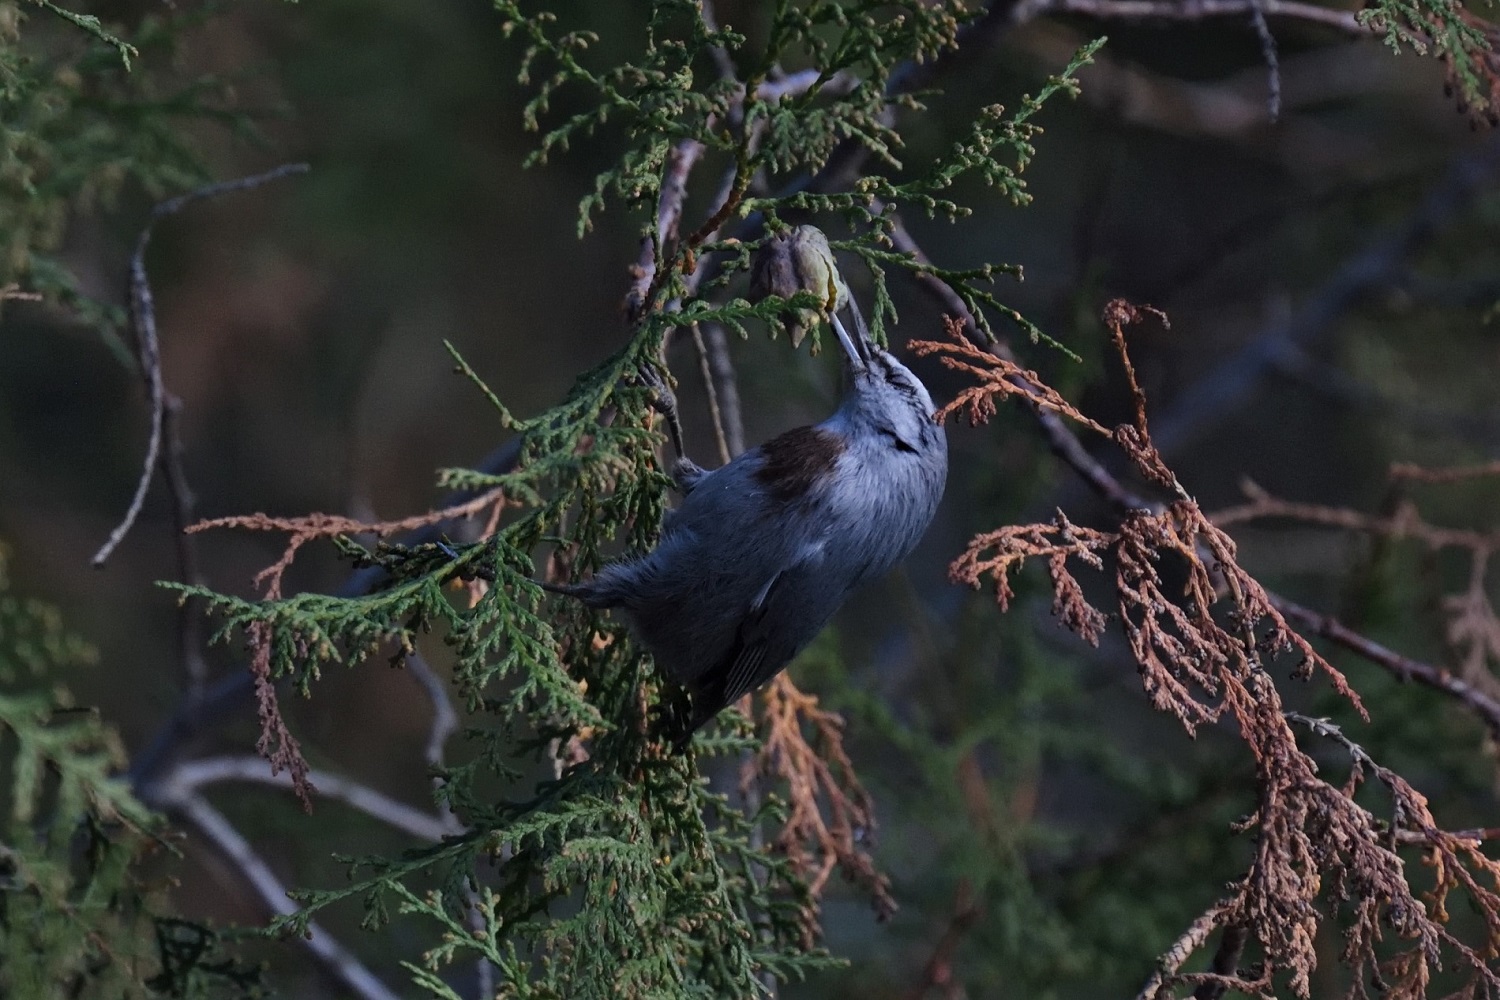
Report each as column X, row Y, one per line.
column 761, row 552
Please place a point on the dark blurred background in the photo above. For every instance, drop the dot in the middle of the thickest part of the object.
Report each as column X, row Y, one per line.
column 1329, row 279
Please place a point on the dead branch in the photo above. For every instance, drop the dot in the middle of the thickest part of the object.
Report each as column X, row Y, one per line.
column 998, row 377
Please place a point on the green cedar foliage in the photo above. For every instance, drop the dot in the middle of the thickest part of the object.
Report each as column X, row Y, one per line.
column 1464, row 43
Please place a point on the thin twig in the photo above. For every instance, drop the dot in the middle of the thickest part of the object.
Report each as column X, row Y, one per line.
column 1182, row 949
column 340, row 961
column 710, row 387
column 190, row 642
column 445, row 723
column 1194, row 10
column 1268, row 53
column 1404, row 667
column 148, row 353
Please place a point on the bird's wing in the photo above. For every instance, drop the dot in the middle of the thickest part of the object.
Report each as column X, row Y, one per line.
column 746, row 659
column 787, row 612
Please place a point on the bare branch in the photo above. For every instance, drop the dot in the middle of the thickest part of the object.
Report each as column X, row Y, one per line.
column 187, row 779
column 143, row 321
column 726, row 386
column 1225, row 962
column 339, row 961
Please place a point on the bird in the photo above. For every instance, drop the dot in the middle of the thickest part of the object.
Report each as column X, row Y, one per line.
column 761, row 552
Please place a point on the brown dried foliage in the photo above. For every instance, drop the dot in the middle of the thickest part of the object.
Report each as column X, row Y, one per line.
column 1203, row 634
column 311, row 527
column 998, row 378
column 832, row 817
column 276, row 742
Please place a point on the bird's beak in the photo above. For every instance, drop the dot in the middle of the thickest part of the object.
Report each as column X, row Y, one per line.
column 857, row 347
column 856, row 359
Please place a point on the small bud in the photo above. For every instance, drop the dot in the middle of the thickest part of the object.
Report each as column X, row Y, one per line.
column 799, row 260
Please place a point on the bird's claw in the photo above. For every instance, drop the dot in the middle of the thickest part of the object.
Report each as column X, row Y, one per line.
column 665, row 403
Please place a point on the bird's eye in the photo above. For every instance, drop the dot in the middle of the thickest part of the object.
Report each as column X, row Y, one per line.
column 897, row 440
column 897, row 379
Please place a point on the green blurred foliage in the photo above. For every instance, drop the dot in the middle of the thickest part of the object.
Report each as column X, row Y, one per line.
column 81, row 914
